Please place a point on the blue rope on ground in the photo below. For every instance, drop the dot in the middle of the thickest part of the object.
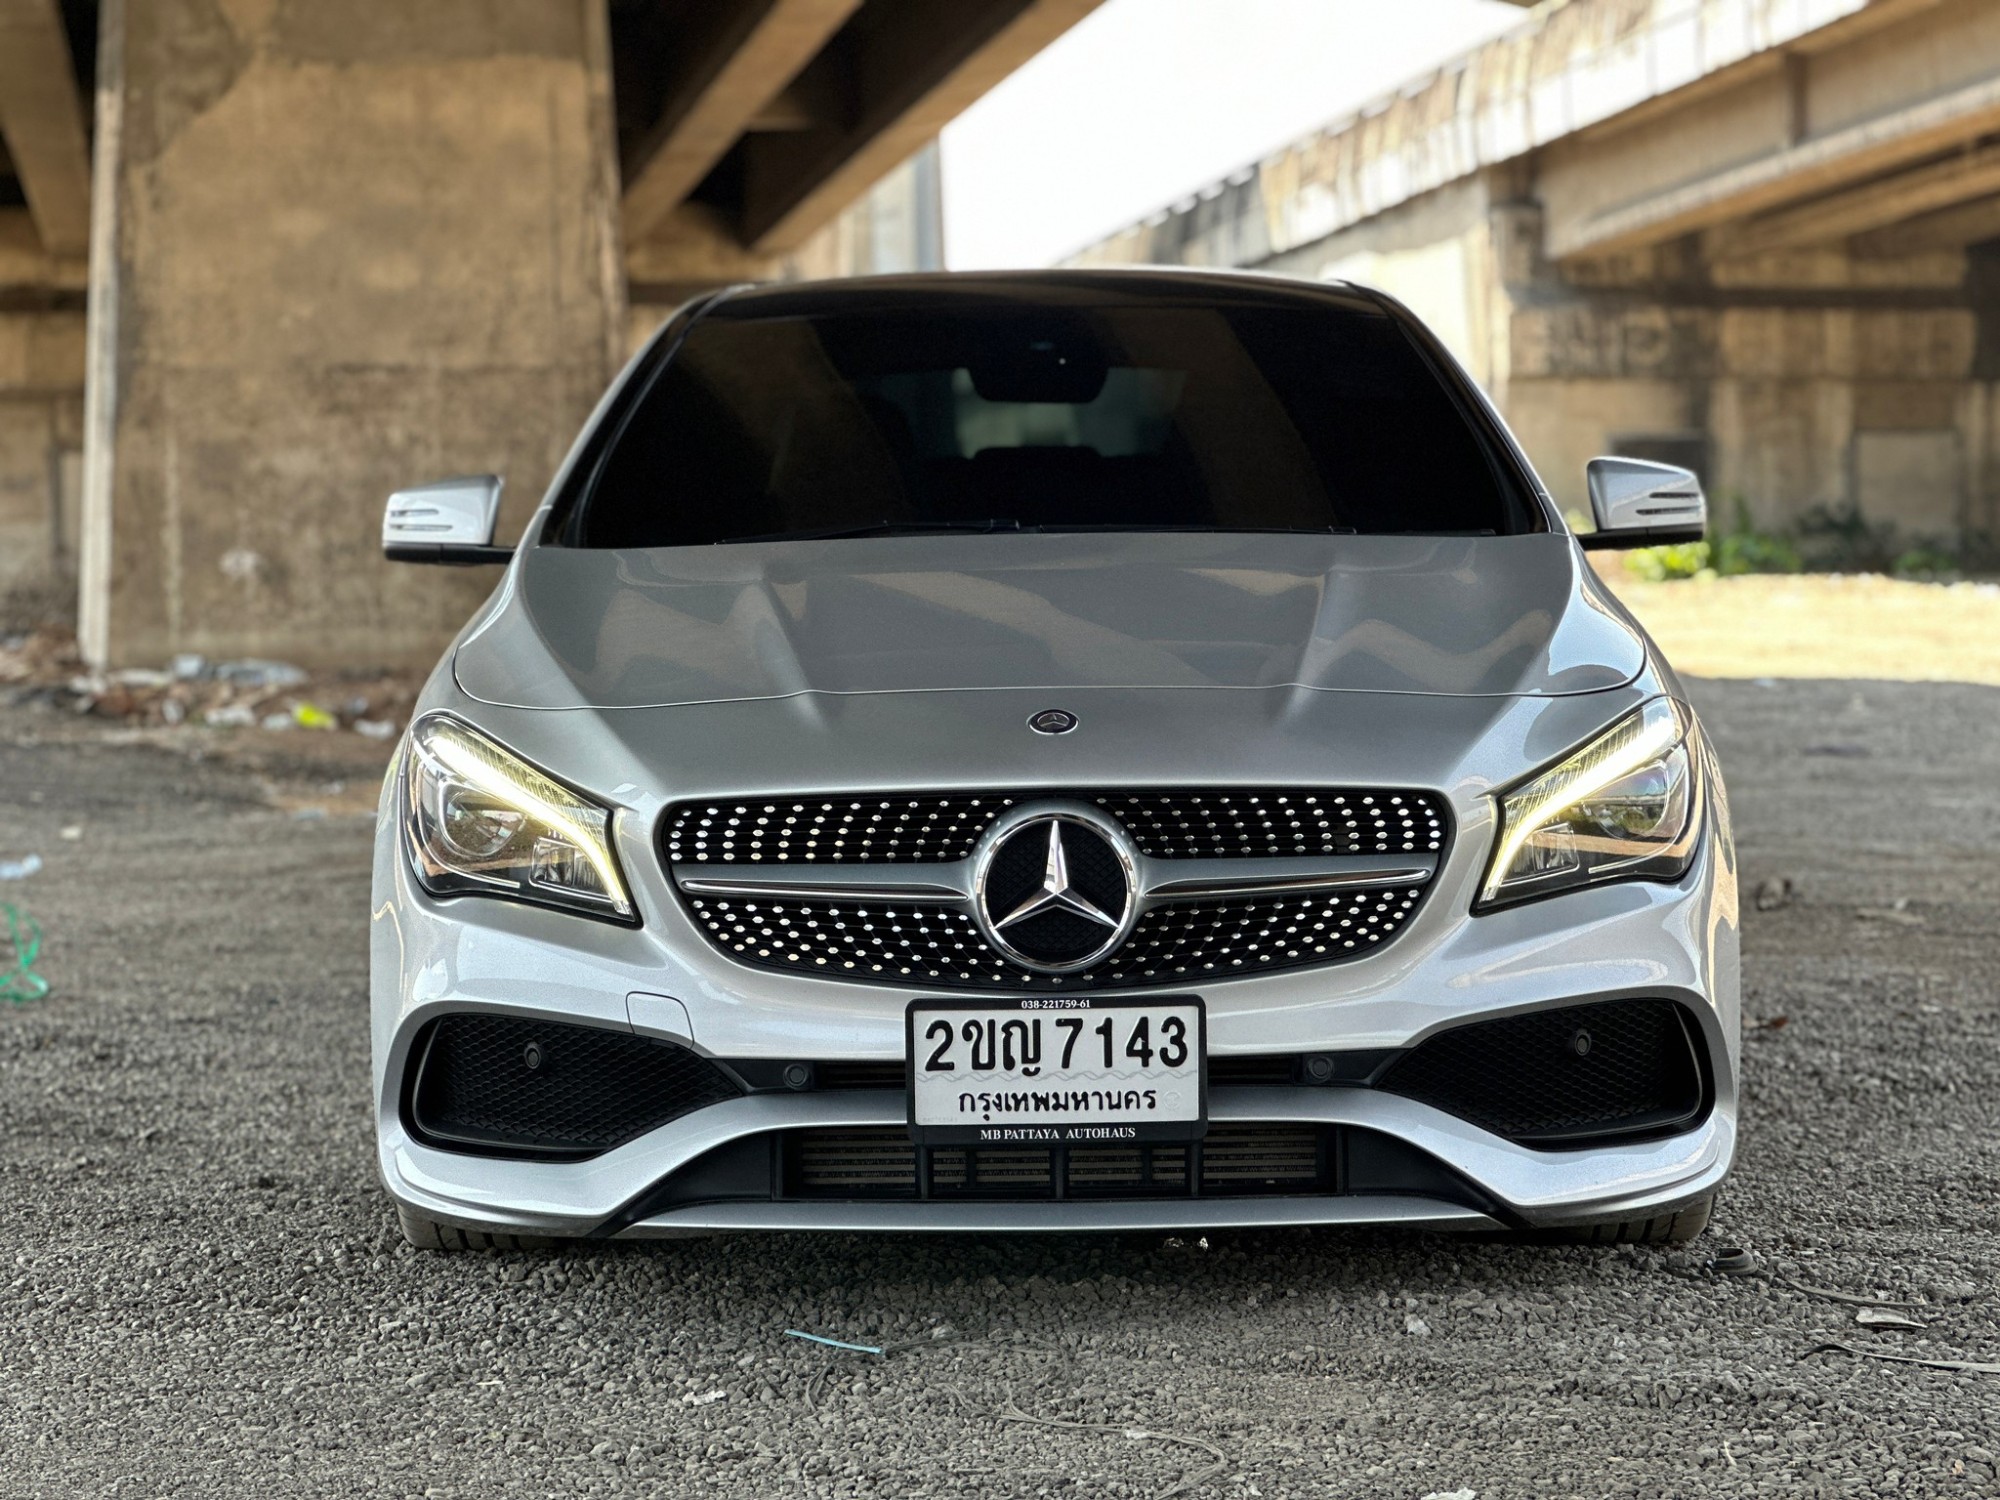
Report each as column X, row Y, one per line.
column 19, row 983
column 793, row 1333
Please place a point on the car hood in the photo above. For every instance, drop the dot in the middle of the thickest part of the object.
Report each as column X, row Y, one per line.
column 1459, row 616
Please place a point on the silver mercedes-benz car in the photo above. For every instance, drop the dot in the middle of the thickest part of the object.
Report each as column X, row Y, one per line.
column 1057, row 751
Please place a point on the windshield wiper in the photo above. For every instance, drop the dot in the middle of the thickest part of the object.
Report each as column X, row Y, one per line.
column 881, row 528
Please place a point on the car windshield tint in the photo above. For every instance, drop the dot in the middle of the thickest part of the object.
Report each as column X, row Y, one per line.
column 1120, row 417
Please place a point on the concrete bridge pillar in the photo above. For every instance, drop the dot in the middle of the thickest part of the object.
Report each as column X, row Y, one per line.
column 1819, row 388
column 337, row 245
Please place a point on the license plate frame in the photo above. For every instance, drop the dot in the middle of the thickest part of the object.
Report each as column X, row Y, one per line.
column 1050, row 1128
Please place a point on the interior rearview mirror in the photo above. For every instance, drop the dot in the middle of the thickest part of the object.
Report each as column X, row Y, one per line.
column 1640, row 504
column 450, row 521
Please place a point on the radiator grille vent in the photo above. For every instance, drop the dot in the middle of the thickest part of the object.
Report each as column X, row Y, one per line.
column 1235, row 1158
column 941, row 945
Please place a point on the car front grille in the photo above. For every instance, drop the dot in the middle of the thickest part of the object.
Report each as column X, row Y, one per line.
column 874, row 938
column 1580, row 1073
column 1234, row 1158
column 510, row 1086
column 896, row 827
column 941, row 946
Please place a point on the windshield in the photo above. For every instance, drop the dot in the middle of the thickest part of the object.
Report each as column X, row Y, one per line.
column 1135, row 416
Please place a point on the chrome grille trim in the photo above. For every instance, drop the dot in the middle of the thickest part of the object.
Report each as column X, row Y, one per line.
column 897, row 883
column 1163, row 882
column 1159, row 882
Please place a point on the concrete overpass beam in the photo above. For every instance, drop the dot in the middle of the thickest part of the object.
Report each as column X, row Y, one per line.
column 1951, row 229
column 808, row 102
column 1819, row 165
column 1873, row 205
column 41, row 119
column 908, row 66
column 733, row 77
column 1884, row 90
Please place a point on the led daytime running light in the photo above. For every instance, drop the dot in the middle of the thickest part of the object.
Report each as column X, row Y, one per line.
column 460, row 753
column 1642, row 738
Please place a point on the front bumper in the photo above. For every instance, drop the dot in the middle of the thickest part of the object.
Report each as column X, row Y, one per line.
column 1676, row 942
column 1542, row 1188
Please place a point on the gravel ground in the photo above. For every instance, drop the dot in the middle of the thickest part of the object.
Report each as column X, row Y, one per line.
column 201, row 1291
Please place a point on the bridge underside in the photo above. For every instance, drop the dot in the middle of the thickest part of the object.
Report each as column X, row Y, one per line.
column 301, row 252
column 1783, row 271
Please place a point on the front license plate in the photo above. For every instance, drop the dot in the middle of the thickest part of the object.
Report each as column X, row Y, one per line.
column 1057, row 1068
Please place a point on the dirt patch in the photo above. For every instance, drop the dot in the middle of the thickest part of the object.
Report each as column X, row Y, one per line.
column 1822, row 625
column 205, row 1289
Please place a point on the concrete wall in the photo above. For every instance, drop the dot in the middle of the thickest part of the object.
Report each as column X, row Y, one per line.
column 41, row 454
column 41, row 428
column 1437, row 255
column 1815, row 384
column 1822, row 380
column 311, row 222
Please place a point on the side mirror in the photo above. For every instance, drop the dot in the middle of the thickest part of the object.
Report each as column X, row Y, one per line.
column 449, row 522
column 1641, row 504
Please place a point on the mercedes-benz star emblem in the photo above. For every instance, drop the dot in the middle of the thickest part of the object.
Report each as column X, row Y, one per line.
column 1054, row 884
column 1056, row 894
column 1052, row 721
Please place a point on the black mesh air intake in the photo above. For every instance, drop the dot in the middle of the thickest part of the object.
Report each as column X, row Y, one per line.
column 1568, row 1076
column 502, row 1085
column 1236, row 1158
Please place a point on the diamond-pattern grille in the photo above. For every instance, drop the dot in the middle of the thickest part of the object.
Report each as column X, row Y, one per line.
column 889, row 944
column 909, row 827
column 1257, row 825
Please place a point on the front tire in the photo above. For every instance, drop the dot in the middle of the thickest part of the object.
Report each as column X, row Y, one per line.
column 428, row 1234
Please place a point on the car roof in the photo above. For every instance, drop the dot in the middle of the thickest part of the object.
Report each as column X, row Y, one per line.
column 1067, row 287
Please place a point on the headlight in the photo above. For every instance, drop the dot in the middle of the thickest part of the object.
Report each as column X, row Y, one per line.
column 1624, row 807
column 483, row 822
